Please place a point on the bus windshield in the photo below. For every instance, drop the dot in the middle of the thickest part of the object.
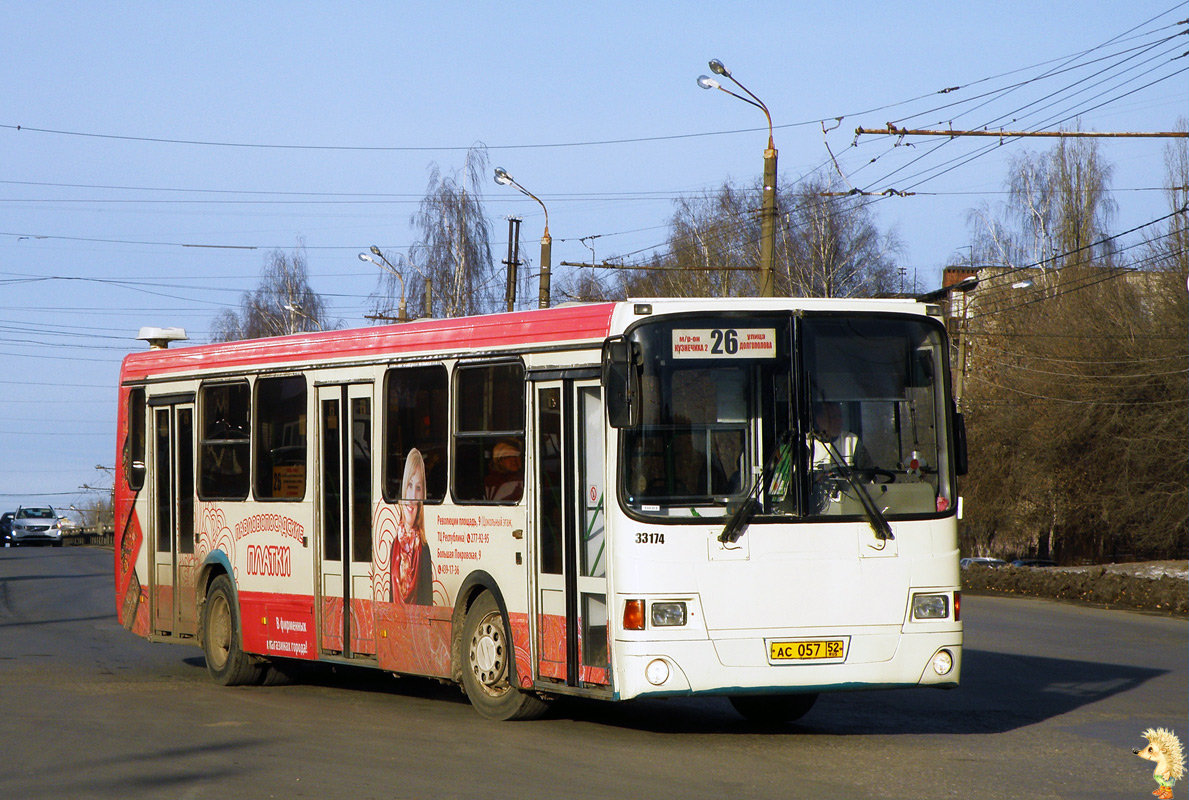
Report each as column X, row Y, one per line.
column 804, row 411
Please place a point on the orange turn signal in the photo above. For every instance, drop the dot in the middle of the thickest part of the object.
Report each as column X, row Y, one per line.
column 633, row 615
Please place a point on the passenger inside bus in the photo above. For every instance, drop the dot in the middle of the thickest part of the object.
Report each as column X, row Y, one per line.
column 648, row 468
column 504, row 482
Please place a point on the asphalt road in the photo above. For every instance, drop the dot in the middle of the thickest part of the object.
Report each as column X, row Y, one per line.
column 1053, row 699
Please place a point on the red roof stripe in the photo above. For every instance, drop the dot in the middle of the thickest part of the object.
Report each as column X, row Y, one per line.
column 583, row 323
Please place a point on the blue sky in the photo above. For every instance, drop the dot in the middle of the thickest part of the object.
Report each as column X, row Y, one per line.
column 146, row 129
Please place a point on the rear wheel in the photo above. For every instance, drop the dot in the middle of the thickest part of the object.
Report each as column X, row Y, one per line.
column 773, row 709
column 488, row 657
column 226, row 661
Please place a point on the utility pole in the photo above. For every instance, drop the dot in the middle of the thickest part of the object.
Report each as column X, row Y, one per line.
column 546, row 259
column 768, row 222
column 512, row 261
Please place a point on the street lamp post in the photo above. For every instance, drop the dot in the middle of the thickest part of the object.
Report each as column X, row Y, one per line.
column 504, row 179
column 401, row 316
column 768, row 218
column 428, row 312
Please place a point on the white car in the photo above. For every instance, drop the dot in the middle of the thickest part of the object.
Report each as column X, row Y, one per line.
column 36, row 524
column 981, row 561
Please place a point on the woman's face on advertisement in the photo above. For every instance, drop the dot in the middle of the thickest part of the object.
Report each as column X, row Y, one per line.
column 414, row 494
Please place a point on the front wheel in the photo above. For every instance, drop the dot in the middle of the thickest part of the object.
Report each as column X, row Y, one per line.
column 226, row 661
column 488, row 657
column 773, row 709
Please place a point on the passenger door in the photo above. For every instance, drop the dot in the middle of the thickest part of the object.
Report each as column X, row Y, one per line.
column 569, row 576
column 345, row 615
column 172, row 516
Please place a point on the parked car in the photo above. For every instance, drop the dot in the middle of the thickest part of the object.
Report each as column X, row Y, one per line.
column 981, row 561
column 36, row 525
column 6, row 527
column 1033, row 562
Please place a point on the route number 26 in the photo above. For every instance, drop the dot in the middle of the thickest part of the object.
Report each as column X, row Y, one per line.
column 724, row 342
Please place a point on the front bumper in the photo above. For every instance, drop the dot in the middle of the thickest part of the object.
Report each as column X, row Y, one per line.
column 876, row 659
column 48, row 536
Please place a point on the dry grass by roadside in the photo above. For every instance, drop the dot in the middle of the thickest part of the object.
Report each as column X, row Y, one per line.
column 1161, row 587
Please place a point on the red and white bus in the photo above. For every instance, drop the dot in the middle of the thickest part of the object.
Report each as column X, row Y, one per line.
column 753, row 498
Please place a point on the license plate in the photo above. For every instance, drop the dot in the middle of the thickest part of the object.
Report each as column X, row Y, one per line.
column 807, row 651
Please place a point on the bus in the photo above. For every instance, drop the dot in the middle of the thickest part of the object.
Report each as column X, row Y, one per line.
column 753, row 498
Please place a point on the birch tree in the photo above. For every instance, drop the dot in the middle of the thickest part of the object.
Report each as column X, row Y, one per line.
column 454, row 249
column 283, row 303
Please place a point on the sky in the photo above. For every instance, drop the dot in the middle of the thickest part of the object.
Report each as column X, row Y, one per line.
column 152, row 155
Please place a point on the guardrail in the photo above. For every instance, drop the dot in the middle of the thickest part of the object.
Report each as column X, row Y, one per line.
column 89, row 537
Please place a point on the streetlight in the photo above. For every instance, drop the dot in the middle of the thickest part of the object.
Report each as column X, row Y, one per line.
column 962, row 287
column 400, row 313
column 768, row 220
column 504, row 179
column 428, row 313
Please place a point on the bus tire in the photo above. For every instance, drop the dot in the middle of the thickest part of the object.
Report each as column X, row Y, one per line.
column 773, row 709
column 226, row 661
column 487, row 663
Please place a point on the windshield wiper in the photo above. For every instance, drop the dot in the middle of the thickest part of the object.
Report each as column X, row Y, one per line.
column 875, row 518
column 743, row 514
column 739, row 521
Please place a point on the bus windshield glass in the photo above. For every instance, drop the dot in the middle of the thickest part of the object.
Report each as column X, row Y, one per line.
column 802, row 411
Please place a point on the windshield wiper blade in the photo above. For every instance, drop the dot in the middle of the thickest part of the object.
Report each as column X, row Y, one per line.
column 739, row 521
column 742, row 516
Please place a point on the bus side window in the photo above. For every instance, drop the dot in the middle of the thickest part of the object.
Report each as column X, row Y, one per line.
column 281, row 438
column 489, row 437
column 416, row 417
column 224, row 449
column 134, row 443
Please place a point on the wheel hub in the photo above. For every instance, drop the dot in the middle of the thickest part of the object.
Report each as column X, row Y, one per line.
column 487, row 653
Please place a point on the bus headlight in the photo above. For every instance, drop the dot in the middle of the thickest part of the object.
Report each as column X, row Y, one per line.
column 667, row 615
column 930, row 606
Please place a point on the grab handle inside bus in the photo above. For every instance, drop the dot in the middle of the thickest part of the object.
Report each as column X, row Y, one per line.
column 621, row 381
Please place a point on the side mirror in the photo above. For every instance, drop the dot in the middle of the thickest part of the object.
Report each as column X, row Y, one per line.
column 960, row 464
column 621, row 382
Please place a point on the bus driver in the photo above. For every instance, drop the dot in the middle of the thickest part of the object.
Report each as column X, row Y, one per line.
column 827, row 430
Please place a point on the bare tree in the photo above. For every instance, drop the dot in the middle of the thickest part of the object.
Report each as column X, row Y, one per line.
column 455, row 245
column 95, row 513
column 1058, row 210
column 834, row 248
column 585, row 285
column 283, row 303
column 825, row 247
column 1077, row 394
